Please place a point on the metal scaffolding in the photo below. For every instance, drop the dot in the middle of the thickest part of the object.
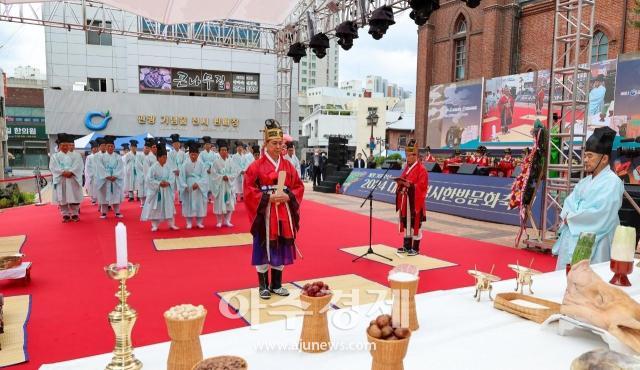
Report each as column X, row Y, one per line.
column 570, row 77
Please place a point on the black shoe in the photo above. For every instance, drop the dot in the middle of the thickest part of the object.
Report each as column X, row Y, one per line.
column 75, row 218
column 406, row 245
column 401, row 250
column 66, row 219
column 276, row 283
column 263, row 285
column 412, row 252
column 416, row 246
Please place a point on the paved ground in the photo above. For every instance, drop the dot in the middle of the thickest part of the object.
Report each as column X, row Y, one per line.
column 438, row 222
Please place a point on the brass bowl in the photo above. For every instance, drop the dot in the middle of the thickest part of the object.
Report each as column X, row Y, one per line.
column 10, row 261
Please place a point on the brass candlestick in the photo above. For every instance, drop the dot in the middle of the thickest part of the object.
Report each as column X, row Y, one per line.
column 484, row 282
column 525, row 276
column 122, row 319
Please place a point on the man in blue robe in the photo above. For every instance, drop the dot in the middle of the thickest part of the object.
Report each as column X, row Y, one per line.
column 593, row 204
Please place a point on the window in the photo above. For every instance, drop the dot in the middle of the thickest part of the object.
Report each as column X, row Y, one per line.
column 98, row 37
column 304, row 79
column 313, row 73
column 599, row 47
column 460, row 50
column 304, row 64
column 97, row 84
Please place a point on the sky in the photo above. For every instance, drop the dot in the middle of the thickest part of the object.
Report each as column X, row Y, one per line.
column 393, row 57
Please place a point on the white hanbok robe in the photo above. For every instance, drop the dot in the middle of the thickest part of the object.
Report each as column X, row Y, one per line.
column 89, row 173
column 175, row 159
column 241, row 164
column 592, row 206
column 194, row 202
column 207, row 159
column 110, row 192
column 223, row 191
column 147, row 161
column 66, row 190
column 134, row 173
column 295, row 162
column 158, row 205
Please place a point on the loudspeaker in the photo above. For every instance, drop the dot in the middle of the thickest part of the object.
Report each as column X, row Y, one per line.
column 628, row 215
column 432, row 167
column 517, row 171
column 468, row 169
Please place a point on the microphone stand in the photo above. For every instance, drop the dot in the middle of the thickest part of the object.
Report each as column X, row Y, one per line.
column 370, row 198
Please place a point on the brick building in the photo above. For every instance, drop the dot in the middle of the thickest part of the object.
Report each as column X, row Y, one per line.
column 503, row 37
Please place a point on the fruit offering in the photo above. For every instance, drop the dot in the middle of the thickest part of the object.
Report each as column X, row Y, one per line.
column 316, row 289
column 184, row 312
column 382, row 328
column 222, row 363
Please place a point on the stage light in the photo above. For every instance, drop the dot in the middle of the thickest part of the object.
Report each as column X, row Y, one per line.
column 380, row 21
column 422, row 10
column 319, row 43
column 472, row 3
column 297, row 51
column 346, row 32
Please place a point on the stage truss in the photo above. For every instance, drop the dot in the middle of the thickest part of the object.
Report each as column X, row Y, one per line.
column 569, row 94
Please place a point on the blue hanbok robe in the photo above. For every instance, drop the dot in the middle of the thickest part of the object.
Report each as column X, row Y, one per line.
column 147, row 161
column 89, row 174
column 223, row 191
column 194, row 202
column 175, row 159
column 66, row 190
column 158, row 205
column 592, row 206
column 133, row 167
column 241, row 164
column 109, row 192
column 207, row 158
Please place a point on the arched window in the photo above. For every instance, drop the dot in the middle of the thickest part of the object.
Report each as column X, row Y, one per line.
column 460, row 50
column 599, row 47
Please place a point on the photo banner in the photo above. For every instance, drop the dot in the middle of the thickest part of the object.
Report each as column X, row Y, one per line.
column 627, row 96
column 455, row 113
column 479, row 197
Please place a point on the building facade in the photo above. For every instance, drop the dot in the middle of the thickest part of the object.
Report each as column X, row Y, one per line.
column 135, row 85
column 503, row 37
column 316, row 72
column 27, row 138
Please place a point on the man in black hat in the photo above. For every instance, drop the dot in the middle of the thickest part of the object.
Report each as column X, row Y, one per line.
column 133, row 168
column 89, row 171
column 194, row 187
column 223, row 173
column 148, row 159
column 480, row 157
column 593, row 204
column 256, row 152
column 66, row 169
column 455, row 160
column 159, row 205
column 175, row 159
column 207, row 157
column 125, row 150
column 429, row 157
column 110, row 179
column 506, row 165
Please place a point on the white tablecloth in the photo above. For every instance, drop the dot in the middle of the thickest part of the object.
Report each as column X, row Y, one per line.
column 17, row 272
column 456, row 332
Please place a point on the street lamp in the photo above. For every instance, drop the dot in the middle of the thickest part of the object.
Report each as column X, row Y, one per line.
column 372, row 120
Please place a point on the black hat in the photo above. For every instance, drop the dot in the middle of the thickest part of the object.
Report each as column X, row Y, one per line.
column 93, row 143
column 109, row 139
column 64, row 138
column 239, row 143
column 428, row 148
column 457, row 152
column 193, row 146
column 175, row 138
column 125, row 146
column 600, row 78
column 100, row 141
column 601, row 141
column 290, row 145
column 556, row 116
column 149, row 142
column 161, row 146
column 133, row 142
column 206, row 139
column 222, row 143
column 256, row 148
column 507, row 151
column 481, row 149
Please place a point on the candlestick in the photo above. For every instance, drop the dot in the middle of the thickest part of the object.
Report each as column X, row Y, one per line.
column 121, row 245
column 622, row 253
column 122, row 319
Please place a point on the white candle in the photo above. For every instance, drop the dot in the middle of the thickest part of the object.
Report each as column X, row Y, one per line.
column 121, row 245
column 623, row 245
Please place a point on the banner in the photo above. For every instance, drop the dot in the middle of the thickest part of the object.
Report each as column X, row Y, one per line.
column 455, row 113
column 512, row 104
column 479, row 197
column 627, row 97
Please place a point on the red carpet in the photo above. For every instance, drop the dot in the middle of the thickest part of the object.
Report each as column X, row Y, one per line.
column 71, row 295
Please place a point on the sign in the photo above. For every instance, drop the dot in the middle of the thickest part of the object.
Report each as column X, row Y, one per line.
column 26, row 132
column 222, row 83
column 479, row 197
column 170, row 120
column 97, row 121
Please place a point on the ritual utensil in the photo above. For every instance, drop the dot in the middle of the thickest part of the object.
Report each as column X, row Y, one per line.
column 403, row 281
column 122, row 319
column 185, row 350
column 484, row 281
column 388, row 354
column 622, row 254
column 525, row 276
column 314, row 337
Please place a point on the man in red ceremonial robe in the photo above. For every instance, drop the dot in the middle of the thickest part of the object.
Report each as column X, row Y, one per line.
column 275, row 218
column 480, row 157
column 410, row 196
column 457, row 158
column 429, row 157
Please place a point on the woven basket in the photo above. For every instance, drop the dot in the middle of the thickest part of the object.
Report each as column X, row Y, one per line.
column 539, row 315
column 222, row 362
column 314, row 337
column 388, row 354
column 404, row 303
column 185, row 350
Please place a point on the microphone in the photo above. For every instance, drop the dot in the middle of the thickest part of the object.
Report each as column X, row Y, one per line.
column 631, row 140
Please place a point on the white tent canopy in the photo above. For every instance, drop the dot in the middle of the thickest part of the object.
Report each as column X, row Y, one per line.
column 272, row 12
